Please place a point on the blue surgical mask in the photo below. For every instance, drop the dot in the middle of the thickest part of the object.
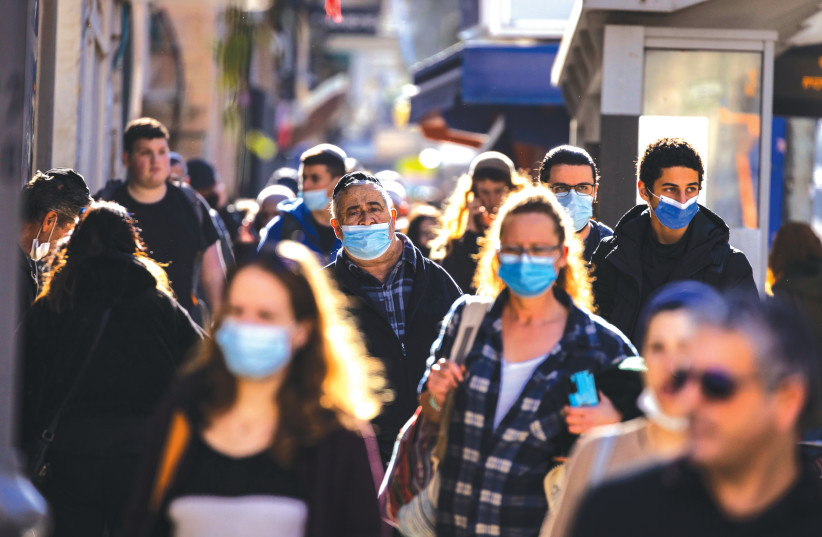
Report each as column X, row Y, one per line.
column 579, row 207
column 315, row 200
column 527, row 276
column 254, row 350
column 366, row 242
column 672, row 214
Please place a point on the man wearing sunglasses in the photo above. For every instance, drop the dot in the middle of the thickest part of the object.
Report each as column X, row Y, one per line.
column 750, row 387
column 671, row 238
column 573, row 177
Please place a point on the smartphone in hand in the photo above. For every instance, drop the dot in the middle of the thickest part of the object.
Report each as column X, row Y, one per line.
column 582, row 390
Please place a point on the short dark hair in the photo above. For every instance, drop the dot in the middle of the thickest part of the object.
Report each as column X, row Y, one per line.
column 143, row 128
column 62, row 190
column 569, row 155
column 667, row 153
column 330, row 155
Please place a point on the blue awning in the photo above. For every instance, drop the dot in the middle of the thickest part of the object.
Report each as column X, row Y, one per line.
column 486, row 74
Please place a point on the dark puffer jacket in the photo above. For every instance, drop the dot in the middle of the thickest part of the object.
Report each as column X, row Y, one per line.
column 618, row 269
column 431, row 297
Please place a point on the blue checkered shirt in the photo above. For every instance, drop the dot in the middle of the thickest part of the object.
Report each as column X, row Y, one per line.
column 492, row 480
column 391, row 297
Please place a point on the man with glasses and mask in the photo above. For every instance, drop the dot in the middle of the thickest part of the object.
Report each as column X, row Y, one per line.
column 672, row 238
column 51, row 204
column 749, row 388
column 398, row 296
column 573, row 177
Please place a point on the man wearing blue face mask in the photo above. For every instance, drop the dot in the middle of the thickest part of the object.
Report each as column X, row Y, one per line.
column 672, row 238
column 306, row 219
column 398, row 296
column 573, row 177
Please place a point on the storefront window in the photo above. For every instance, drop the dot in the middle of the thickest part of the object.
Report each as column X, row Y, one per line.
column 724, row 89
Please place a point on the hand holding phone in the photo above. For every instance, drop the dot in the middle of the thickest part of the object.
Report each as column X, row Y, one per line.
column 583, row 390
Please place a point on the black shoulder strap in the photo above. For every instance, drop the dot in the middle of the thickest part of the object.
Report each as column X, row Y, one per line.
column 193, row 198
column 48, row 433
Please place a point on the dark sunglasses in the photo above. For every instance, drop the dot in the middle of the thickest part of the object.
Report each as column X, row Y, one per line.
column 715, row 384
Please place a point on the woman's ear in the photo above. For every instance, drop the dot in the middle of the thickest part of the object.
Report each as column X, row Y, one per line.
column 301, row 334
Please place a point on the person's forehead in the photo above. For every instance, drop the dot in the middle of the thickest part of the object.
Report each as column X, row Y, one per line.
column 529, row 228
column 152, row 143
column 571, row 174
column 489, row 184
column 361, row 194
column 313, row 169
column 730, row 350
column 679, row 175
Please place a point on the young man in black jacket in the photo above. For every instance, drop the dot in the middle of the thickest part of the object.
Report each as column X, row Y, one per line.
column 398, row 296
column 671, row 239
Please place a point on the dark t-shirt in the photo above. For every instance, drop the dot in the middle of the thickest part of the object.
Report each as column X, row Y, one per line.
column 659, row 261
column 672, row 501
column 173, row 234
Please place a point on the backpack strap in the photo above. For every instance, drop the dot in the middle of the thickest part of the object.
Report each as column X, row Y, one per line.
column 179, row 434
column 713, row 272
column 194, row 200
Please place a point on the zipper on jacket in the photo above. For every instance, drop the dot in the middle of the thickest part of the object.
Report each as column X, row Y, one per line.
column 402, row 345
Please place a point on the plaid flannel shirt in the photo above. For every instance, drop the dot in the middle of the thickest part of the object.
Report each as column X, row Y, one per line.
column 390, row 298
column 492, row 480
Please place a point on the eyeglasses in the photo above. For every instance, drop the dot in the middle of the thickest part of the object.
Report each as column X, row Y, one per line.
column 715, row 384
column 535, row 250
column 561, row 189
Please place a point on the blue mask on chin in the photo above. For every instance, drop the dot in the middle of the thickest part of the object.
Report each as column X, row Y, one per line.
column 366, row 242
column 672, row 214
column 527, row 276
column 579, row 207
column 254, row 350
column 315, row 200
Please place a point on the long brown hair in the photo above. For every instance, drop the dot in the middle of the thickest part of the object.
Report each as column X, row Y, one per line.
column 330, row 381
column 105, row 229
column 573, row 277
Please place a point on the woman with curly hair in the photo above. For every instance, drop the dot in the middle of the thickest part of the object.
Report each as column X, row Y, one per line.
column 511, row 417
column 469, row 212
column 267, row 432
column 103, row 287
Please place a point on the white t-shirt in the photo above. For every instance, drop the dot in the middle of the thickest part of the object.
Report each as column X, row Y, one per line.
column 513, row 378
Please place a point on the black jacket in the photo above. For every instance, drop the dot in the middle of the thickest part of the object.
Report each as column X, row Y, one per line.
column 618, row 265
column 147, row 337
column 461, row 260
column 801, row 286
column 431, row 297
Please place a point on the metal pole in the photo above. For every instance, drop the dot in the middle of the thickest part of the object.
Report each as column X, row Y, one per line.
column 22, row 509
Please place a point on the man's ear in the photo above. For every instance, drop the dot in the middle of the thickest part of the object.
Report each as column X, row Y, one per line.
column 337, row 230
column 125, row 158
column 790, row 399
column 643, row 191
column 49, row 222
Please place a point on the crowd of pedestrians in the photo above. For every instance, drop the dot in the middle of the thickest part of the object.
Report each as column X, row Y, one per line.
column 332, row 358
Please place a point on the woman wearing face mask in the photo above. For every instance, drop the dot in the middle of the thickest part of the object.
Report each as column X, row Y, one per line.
column 265, row 434
column 510, row 416
column 667, row 325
